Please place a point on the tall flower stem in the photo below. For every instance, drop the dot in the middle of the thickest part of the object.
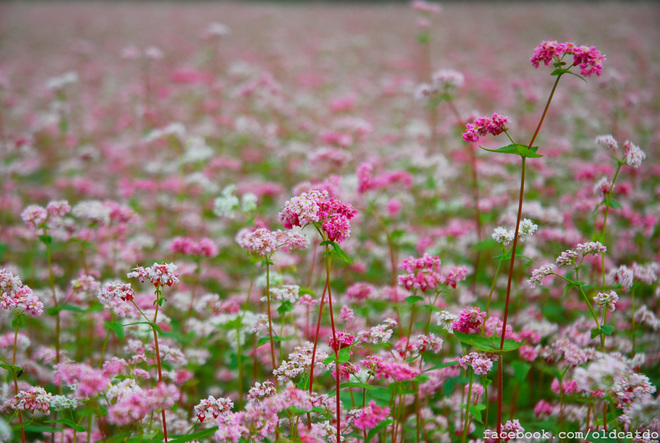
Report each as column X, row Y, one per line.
column 13, row 362
column 270, row 320
column 334, row 338
column 513, row 260
column 160, row 371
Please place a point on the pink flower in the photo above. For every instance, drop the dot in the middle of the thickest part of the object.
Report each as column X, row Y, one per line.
column 371, row 416
column 589, row 59
column 116, row 290
column 34, row 216
column 215, row 406
column 159, row 275
column 484, row 125
column 470, row 321
column 34, row 399
column 480, row 363
column 14, row 295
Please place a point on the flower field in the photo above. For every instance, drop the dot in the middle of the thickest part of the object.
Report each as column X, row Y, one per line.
column 321, row 223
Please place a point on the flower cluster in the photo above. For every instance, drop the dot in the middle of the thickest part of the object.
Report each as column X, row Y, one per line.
column 34, row 399
column 264, row 242
column 370, row 416
column 187, row 246
column 505, row 236
column 484, row 125
column 481, row 364
column 540, row 273
column 35, row 216
column 317, row 207
column 159, row 275
column 469, row 321
column 588, row 58
column 215, row 406
column 423, row 273
column 14, row 295
column 607, row 300
column 116, row 290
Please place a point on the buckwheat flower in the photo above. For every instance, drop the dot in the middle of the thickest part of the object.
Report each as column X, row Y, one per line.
column 591, row 248
column 479, row 363
column 260, row 242
column 86, row 284
column 303, row 209
column 16, row 296
column 646, row 273
column 227, row 203
column 86, row 381
column 370, row 416
column 540, row 273
column 58, row 208
column 448, row 78
column 248, row 202
column 527, row 229
column 338, row 228
column 116, row 290
column 608, row 141
column 633, row 154
column 92, row 210
column 34, row 216
column 342, row 340
column 426, row 7
column 546, row 52
column 445, row 320
column 602, row 188
column 624, row 276
column 607, row 300
column 469, row 321
column 261, row 390
column 567, row 258
column 427, row 343
column 215, row 406
column 503, row 235
column 512, row 428
column 589, row 59
column 286, row 293
column 378, row 334
column 483, row 126
column 62, row 403
column 345, row 370
column 33, row 399
column 159, row 275
column 346, row 314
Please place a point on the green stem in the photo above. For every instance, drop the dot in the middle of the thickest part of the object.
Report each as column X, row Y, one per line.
column 13, row 362
column 270, row 321
column 467, row 407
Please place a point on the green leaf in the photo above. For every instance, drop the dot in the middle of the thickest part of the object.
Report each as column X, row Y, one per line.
column 595, row 332
column 236, row 323
column 607, row 329
column 69, row 423
column 396, row 235
column 117, row 328
column 285, row 307
column 18, row 321
column 615, row 205
column 520, row 370
column 344, row 354
column 425, row 39
column 378, row 428
column 341, row 254
column 11, row 368
column 516, row 149
column 153, row 325
column 414, row 299
column 46, row 239
column 196, row 436
column 486, row 344
column 476, row 411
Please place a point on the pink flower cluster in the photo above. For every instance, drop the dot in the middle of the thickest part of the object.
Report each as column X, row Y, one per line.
column 480, row 363
column 215, row 406
column 159, row 275
column 380, row 368
column 34, row 399
column 423, row 273
column 588, row 58
column 187, row 246
column 264, row 242
column 370, row 416
column 367, row 181
column 14, row 295
column 342, row 340
column 484, row 125
column 87, row 381
column 34, row 216
column 116, row 290
column 317, row 207
column 469, row 321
